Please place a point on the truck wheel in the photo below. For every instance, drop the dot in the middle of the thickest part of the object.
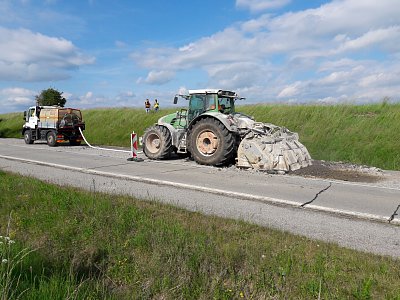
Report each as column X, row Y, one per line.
column 28, row 137
column 211, row 143
column 157, row 142
column 51, row 139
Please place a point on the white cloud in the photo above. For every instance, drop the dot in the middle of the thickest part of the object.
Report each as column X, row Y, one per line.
column 340, row 64
column 383, row 38
column 381, row 79
column 183, row 91
column 16, row 99
column 342, row 77
column 66, row 95
column 290, row 90
column 29, row 56
column 238, row 75
column 92, row 99
column 350, row 17
column 311, row 54
column 260, row 5
column 87, row 98
column 19, row 95
column 157, row 77
column 256, row 25
column 125, row 97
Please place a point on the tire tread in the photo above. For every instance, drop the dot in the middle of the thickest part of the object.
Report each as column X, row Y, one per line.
column 166, row 140
column 228, row 139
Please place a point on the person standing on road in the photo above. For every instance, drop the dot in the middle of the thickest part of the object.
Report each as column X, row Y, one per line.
column 147, row 105
column 156, row 105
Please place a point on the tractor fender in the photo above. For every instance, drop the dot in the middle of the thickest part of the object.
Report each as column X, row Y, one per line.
column 224, row 119
column 175, row 134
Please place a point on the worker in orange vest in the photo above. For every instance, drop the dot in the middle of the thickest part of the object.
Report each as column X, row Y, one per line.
column 147, row 105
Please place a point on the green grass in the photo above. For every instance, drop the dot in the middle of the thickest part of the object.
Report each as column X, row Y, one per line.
column 102, row 246
column 113, row 126
column 364, row 134
column 11, row 125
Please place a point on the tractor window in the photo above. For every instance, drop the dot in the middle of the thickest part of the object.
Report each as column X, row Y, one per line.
column 226, row 105
column 210, row 101
column 197, row 105
column 197, row 102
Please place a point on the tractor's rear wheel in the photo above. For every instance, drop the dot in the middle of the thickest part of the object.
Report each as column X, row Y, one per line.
column 211, row 143
column 157, row 142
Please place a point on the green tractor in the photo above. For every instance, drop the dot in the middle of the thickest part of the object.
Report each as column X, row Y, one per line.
column 213, row 133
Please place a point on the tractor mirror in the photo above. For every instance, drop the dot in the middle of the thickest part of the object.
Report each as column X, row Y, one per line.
column 25, row 115
column 175, row 99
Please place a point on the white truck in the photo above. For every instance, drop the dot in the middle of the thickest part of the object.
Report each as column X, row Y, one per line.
column 53, row 124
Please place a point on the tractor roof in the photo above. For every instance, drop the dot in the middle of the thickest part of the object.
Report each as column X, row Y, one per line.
column 222, row 93
column 205, row 91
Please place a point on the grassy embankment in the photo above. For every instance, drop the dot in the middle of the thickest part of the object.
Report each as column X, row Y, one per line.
column 88, row 245
column 367, row 134
column 11, row 125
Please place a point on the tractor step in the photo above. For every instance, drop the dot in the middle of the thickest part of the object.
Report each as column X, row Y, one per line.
column 182, row 146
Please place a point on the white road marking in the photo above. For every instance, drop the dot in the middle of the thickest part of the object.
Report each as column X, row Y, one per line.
column 195, row 165
column 250, row 197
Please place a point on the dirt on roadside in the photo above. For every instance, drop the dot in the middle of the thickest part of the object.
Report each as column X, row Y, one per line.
column 341, row 171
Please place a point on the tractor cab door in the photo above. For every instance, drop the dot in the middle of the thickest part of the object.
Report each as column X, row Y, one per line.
column 182, row 117
column 199, row 103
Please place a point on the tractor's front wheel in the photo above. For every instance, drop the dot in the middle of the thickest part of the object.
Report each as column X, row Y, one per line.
column 211, row 143
column 157, row 142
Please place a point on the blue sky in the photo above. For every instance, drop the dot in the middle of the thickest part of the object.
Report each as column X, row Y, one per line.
column 118, row 53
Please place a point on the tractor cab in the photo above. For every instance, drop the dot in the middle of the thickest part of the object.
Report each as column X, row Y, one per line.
column 202, row 101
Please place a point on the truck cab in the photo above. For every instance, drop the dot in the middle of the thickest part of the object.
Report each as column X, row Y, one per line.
column 31, row 118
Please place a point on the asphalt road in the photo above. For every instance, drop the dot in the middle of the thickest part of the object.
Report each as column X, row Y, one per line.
column 352, row 215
